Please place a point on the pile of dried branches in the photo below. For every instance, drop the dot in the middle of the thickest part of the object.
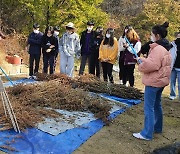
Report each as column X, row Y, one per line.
column 46, row 77
column 91, row 83
column 29, row 102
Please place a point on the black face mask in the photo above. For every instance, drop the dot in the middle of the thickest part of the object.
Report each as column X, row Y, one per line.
column 98, row 33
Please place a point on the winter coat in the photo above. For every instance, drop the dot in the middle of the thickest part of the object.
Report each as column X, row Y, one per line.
column 95, row 44
column 157, row 67
column 108, row 52
column 145, row 48
column 47, row 42
column 35, row 40
column 173, row 52
column 70, row 44
column 83, row 42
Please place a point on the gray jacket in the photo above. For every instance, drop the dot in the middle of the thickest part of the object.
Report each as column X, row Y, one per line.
column 70, row 44
column 173, row 52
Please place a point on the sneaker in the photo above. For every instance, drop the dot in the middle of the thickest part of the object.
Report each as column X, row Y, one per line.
column 172, row 97
column 30, row 77
column 139, row 136
column 34, row 77
column 120, row 82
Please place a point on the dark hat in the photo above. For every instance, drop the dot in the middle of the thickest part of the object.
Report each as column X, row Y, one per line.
column 90, row 23
column 36, row 25
column 56, row 28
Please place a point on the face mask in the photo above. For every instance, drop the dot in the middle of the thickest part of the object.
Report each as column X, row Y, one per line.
column 108, row 35
column 36, row 31
column 89, row 28
column 56, row 33
column 98, row 33
column 125, row 30
column 153, row 39
column 69, row 32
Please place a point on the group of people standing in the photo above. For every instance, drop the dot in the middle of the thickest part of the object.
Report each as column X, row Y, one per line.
column 96, row 49
column 160, row 64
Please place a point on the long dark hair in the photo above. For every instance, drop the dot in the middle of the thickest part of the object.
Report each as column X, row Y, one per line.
column 99, row 31
column 109, row 41
column 49, row 28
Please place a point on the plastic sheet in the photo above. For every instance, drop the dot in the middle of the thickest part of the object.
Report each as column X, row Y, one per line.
column 38, row 142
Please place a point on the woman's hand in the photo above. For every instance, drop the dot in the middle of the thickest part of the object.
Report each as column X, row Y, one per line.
column 139, row 61
column 105, row 60
column 125, row 45
column 52, row 46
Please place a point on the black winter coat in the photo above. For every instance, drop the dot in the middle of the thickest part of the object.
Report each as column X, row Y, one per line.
column 47, row 42
column 83, row 42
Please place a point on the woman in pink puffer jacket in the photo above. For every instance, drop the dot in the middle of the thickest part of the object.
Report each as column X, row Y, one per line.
column 156, row 71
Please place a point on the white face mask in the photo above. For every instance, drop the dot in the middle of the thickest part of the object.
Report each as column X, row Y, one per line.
column 56, row 33
column 36, row 31
column 108, row 35
column 89, row 28
column 125, row 30
column 153, row 39
column 69, row 32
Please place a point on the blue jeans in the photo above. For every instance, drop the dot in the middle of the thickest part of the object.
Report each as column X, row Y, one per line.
column 153, row 120
column 175, row 75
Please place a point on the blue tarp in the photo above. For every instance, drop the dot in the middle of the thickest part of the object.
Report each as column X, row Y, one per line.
column 38, row 142
column 21, row 81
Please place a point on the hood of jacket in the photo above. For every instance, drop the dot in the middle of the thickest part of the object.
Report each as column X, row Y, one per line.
column 165, row 43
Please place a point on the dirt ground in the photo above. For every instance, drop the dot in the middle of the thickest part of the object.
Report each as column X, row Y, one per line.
column 117, row 138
